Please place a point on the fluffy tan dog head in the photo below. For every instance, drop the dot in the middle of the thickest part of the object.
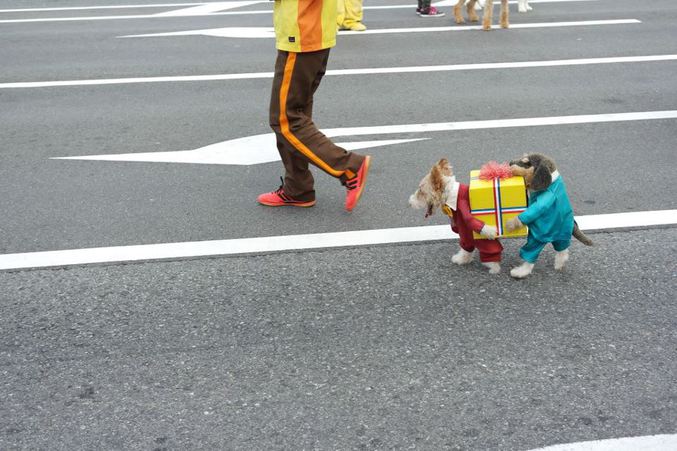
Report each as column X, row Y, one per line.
column 536, row 169
column 431, row 192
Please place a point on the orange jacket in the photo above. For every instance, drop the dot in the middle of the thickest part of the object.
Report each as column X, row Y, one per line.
column 305, row 25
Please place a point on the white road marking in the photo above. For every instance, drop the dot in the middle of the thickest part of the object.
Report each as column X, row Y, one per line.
column 163, row 251
column 87, row 8
column 365, row 71
column 169, row 5
column 269, row 32
column 158, row 5
column 258, row 149
column 512, row 2
column 207, row 8
column 647, row 443
column 244, row 151
column 130, row 16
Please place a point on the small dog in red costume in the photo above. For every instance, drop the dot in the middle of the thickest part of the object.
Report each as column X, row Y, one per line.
column 440, row 190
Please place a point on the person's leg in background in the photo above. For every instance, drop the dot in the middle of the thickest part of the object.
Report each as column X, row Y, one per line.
column 426, row 10
column 350, row 15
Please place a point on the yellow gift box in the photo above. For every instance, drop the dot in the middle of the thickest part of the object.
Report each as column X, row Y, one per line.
column 496, row 201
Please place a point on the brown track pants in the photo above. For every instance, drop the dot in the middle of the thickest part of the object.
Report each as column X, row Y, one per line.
column 297, row 76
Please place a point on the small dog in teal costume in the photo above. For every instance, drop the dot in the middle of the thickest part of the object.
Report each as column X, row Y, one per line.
column 550, row 217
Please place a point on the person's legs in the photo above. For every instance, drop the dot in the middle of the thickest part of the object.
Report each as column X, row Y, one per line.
column 341, row 16
column 295, row 163
column 353, row 9
column 426, row 10
column 297, row 76
column 350, row 15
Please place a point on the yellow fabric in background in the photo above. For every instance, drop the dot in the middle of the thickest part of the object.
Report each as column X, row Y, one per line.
column 349, row 12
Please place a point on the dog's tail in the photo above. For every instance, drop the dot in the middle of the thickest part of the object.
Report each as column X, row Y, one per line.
column 580, row 236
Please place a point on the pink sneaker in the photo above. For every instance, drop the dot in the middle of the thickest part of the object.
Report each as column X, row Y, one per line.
column 278, row 198
column 355, row 186
column 430, row 12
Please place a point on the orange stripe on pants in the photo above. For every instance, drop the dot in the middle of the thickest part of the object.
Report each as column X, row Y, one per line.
column 284, row 123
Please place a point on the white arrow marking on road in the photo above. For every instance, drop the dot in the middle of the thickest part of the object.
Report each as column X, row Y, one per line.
column 268, row 32
column 249, row 150
column 240, row 246
column 208, row 8
column 258, row 149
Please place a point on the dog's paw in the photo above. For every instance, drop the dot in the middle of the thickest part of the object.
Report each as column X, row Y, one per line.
column 489, row 231
column 513, row 224
column 462, row 257
column 522, row 271
column 561, row 258
column 494, row 267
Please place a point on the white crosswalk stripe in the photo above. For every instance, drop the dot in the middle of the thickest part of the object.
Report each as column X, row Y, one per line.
column 296, row 242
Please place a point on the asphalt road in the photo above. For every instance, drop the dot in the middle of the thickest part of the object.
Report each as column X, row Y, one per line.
column 382, row 347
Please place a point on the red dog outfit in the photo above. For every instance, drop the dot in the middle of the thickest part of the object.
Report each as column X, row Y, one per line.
column 463, row 223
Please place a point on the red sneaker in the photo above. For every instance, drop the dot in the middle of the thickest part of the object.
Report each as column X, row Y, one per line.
column 278, row 198
column 356, row 184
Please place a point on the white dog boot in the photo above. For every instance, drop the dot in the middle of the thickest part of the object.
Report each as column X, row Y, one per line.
column 561, row 258
column 523, row 6
column 462, row 257
column 494, row 267
column 522, row 271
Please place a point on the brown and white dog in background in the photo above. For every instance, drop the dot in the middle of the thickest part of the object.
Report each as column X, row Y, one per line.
column 488, row 5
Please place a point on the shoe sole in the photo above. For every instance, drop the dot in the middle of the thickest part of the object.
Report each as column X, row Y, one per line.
column 295, row 204
column 367, row 163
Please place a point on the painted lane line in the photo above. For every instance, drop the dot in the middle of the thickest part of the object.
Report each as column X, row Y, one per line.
column 583, row 23
column 646, row 443
column 444, row 3
column 171, row 5
column 257, row 149
column 243, row 246
column 130, row 16
column 207, row 8
column 88, row 8
column 269, row 32
column 198, row 4
column 503, row 123
column 365, row 71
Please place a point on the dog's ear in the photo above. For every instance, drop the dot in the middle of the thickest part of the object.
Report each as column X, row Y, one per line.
column 436, row 180
column 445, row 167
column 542, row 176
